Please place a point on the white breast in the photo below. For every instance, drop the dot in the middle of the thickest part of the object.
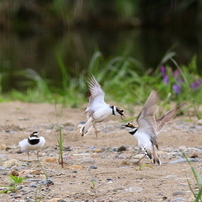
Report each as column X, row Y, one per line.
column 102, row 113
column 143, row 139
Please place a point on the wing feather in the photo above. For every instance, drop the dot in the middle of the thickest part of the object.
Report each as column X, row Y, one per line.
column 146, row 119
column 166, row 117
column 96, row 94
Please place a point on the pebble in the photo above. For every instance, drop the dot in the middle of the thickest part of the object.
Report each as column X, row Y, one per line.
column 33, row 184
column 14, row 173
column 73, row 167
column 12, row 162
column 118, row 188
column 178, row 199
column 134, row 189
column 55, row 200
column 176, row 193
column 121, row 148
column 51, row 160
column 184, row 160
column 49, row 182
column 93, row 167
column 29, row 176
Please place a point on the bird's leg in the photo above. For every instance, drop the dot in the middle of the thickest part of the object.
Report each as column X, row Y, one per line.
column 138, row 162
column 135, row 154
column 96, row 131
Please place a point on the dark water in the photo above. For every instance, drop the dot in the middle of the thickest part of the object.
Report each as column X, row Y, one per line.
column 38, row 51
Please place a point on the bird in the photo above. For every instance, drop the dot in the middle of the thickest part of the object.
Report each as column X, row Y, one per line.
column 33, row 142
column 97, row 110
column 150, row 127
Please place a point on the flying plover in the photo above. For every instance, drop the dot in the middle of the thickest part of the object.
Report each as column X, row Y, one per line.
column 150, row 127
column 33, row 142
column 97, row 110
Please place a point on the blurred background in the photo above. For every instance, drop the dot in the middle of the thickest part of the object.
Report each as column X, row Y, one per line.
column 42, row 34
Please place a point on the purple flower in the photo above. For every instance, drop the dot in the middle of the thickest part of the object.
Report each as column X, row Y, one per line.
column 163, row 71
column 165, row 76
column 176, row 88
column 180, row 80
column 165, row 79
column 196, row 85
column 176, row 73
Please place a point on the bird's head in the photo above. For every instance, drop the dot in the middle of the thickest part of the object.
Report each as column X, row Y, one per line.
column 118, row 111
column 34, row 134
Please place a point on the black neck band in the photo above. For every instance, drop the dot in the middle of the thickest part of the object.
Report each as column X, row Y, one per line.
column 133, row 132
column 113, row 112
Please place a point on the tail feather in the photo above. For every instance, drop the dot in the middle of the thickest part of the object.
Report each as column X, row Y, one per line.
column 87, row 127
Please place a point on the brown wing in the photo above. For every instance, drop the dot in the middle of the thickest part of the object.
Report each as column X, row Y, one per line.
column 146, row 118
column 166, row 117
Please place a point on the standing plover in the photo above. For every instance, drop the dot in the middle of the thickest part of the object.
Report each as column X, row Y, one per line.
column 150, row 127
column 97, row 110
column 33, row 142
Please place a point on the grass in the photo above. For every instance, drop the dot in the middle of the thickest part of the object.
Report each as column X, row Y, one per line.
column 197, row 190
column 15, row 181
column 122, row 78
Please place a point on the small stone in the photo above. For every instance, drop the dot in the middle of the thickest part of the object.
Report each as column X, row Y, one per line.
column 118, row 188
column 199, row 122
column 73, row 167
column 3, row 146
column 49, row 182
column 121, row 148
column 183, row 160
column 12, row 162
column 55, row 200
column 93, row 167
column 51, row 160
column 134, row 189
column 182, row 147
column 178, row 199
column 19, row 187
column 14, row 173
column 74, row 171
column 29, row 176
column 35, row 172
column 194, row 154
column 33, row 184
column 98, row 150
column 176, row 193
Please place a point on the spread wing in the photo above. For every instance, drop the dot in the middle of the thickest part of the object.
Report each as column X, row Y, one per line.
column 97, row 94
column 165, row 118
column 146, row 118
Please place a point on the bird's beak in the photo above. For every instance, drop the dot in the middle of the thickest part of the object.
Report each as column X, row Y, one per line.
column 123, row 126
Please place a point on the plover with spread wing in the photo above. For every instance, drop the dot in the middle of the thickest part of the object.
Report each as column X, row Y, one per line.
column 33, row 142
column 150, row 127
column 97, row 110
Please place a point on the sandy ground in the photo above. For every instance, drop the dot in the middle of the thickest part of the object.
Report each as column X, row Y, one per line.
column 93, row 169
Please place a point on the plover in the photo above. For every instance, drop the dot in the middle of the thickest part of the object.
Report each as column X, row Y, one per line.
column 97, row 110
column 150, row 127
column 33, row 142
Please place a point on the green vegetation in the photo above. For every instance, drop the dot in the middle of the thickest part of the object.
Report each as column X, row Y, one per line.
column 197, row 190
column 123, row 80
column 15, row 181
